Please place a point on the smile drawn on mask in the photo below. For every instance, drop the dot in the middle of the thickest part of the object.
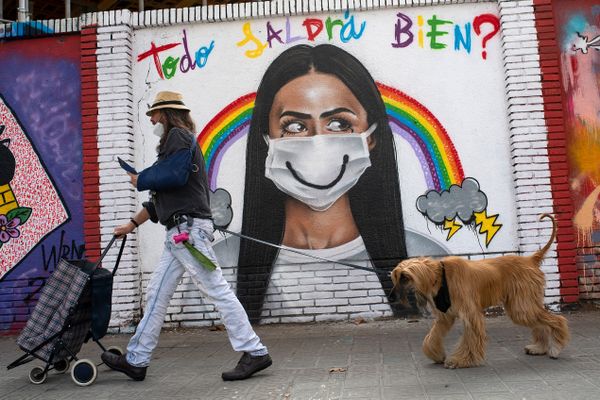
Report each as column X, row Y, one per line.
column 314, row 185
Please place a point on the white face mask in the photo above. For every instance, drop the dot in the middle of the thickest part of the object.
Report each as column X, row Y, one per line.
column 318, row 170
column 159, row 129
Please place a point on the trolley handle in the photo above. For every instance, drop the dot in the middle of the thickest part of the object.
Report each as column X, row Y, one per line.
column 107, row 248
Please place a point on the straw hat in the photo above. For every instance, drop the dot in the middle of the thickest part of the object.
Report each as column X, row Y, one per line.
column 167, row 100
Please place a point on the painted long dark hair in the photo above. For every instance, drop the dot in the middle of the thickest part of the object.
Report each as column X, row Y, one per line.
column 374, row 200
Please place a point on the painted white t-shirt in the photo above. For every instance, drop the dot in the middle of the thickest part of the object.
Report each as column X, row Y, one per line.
column 318, row 290
column 304, row 286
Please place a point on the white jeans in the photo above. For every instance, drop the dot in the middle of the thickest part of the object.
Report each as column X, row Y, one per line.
column 175, row 260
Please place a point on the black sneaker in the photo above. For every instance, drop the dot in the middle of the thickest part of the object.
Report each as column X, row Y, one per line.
column 247, row 366
column 119, row 363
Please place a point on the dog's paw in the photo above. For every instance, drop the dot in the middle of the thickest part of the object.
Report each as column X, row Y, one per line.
column 453, row 363
column 437, row 358
column 535, row 350
column 553, row 352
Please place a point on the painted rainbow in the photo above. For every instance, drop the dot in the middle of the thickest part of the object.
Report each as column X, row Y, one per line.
column 231, row 124
column 428, row 138
column 408, row 118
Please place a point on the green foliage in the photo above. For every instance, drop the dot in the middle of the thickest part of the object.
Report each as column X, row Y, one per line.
column 23, row 213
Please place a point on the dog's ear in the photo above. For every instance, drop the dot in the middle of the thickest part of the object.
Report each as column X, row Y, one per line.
column 394, row 275
column 399, row 276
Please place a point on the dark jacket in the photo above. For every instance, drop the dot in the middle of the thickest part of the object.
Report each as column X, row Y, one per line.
column 193, row 198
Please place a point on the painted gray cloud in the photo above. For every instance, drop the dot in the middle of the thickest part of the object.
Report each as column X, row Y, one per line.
column 220, row 206
column 461, row 201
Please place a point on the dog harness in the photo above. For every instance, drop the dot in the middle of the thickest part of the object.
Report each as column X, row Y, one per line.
column 442, row 298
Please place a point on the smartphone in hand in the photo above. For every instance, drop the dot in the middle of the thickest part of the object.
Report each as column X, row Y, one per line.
column 127, row 167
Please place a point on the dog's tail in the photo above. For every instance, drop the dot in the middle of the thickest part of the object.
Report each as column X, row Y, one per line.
column 539, row 255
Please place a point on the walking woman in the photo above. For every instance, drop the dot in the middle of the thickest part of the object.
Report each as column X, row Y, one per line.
column 185, row 212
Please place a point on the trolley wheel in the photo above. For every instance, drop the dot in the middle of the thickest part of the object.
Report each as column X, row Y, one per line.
column 61, row 366
column 115, row 350
column 84, row 372
column 37, row 375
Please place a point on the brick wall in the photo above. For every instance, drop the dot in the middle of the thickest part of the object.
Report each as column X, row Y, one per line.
column 89, row 129
column 313, row 294
column 530, row 136
column 118, row 201
column 536, row 140
column 529, row 144
column 552, row 95
column 578, row 248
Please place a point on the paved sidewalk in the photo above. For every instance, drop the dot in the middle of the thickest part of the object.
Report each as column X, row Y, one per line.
column 372, row 360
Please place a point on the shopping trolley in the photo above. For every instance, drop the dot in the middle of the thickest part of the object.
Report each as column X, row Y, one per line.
column 74, row 306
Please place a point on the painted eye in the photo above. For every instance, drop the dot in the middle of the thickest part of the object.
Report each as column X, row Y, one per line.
column 339, row 125
column 293, row 128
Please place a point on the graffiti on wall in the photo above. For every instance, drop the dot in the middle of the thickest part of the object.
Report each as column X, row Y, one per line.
column 426, row 32
column 30, row 205
column 28, row 28
column 41, row 208
column 580, row 65
column 584, row 45
column 11, row 215
column 452, row 200
column 316, row 139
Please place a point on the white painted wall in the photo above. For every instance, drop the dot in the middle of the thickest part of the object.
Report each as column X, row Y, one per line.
column 468, row 95
column 492, row 109
column 464, row 91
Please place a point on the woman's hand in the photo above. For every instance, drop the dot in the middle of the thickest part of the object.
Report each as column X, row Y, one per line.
column 124, row 229
column 133, row 178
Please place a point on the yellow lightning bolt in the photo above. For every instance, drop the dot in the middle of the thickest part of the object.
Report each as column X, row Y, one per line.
column 452, row 228
column 486, row 225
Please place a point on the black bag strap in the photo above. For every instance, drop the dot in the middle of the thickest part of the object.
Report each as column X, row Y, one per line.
column 193, row 148
column 107, row 248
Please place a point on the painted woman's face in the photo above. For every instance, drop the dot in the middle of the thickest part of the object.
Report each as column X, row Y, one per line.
column 315, row 104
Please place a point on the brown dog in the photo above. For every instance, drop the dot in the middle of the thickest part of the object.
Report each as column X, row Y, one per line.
column 460, row 288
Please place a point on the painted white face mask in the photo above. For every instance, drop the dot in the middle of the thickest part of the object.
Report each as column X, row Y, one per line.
column 318, row 170
column 159, row 129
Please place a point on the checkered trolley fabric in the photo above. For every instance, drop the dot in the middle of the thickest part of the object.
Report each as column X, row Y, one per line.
column 64, row 303
column 74, row 306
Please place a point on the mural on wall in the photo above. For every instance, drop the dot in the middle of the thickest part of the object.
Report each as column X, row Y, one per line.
column 41, row 203
column 579, row 25
column 24, row 217
column 325, row 130
column 11, row 215
column 451, row 200
column 584, row 45
column 28, row 28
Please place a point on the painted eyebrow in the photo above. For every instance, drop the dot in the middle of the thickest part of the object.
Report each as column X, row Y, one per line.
column 336, row 111
column 295, row 114
column 326, row 114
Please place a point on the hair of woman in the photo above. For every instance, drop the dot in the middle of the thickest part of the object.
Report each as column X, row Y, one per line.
column 374, row 200
column 175, row 118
